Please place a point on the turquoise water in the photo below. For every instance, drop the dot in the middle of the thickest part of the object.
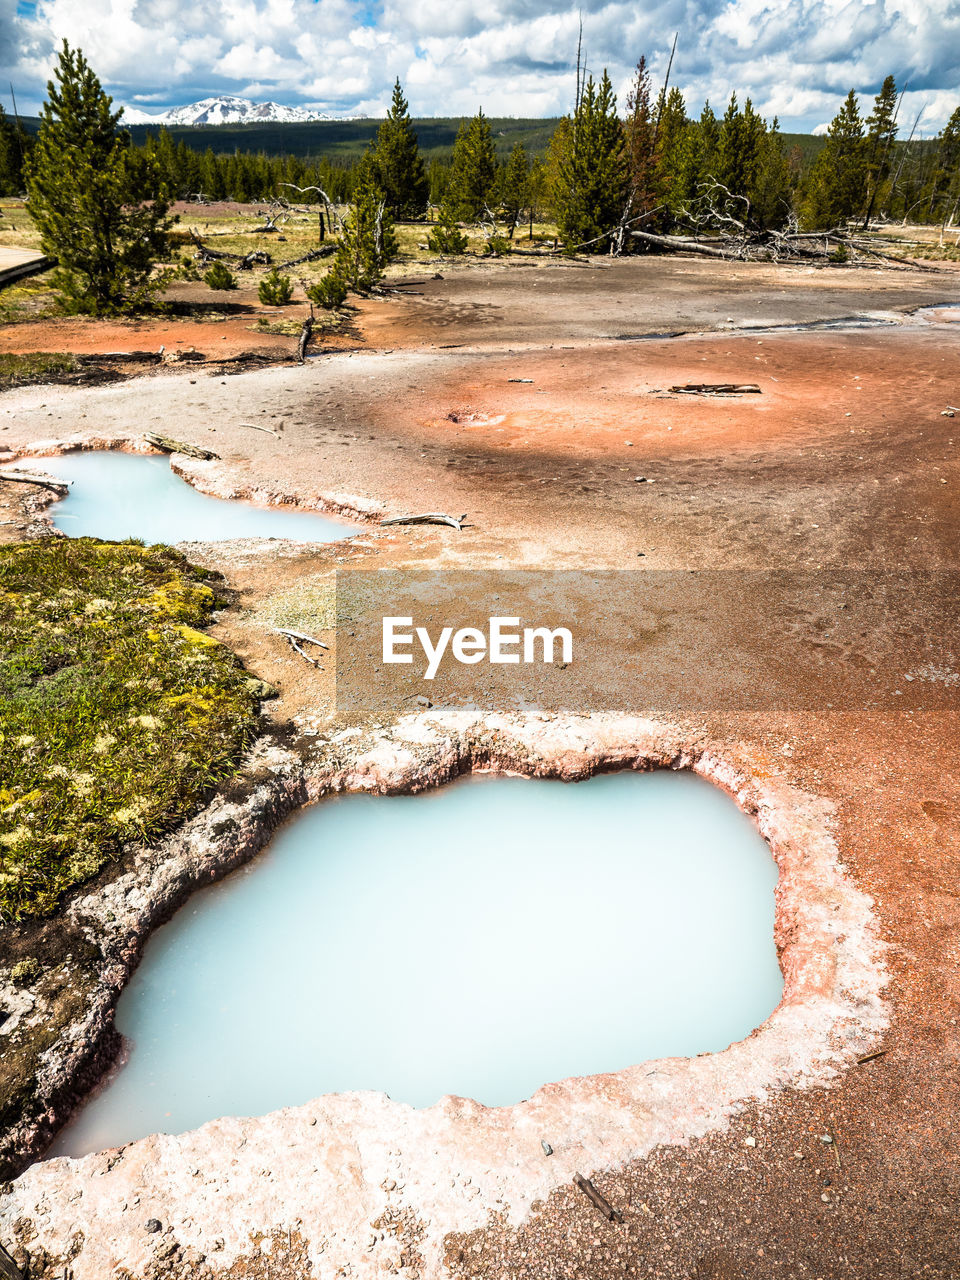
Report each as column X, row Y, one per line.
column 123, row 495
column 482, row 939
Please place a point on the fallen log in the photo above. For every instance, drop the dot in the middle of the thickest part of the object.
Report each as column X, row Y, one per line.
column 169, row 445
column 429, row 517
column 594, row 1196
column 678, row 244
column 244, row 261
column 717, row 389
column 324, row 252
column 22, row 477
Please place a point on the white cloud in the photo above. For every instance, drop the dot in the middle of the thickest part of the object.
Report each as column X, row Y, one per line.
column 795, row 58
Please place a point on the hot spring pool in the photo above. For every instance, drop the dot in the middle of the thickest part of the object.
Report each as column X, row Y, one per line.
column 123, row 495
column 482, row 939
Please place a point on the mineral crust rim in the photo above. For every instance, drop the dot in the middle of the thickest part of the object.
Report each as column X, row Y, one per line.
column 350, row 1158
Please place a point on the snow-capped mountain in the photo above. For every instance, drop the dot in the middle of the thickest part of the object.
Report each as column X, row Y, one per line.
column 225, row 109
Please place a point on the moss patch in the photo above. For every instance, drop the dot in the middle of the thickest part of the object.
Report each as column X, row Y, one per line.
column 116, row 713
column 37, row 366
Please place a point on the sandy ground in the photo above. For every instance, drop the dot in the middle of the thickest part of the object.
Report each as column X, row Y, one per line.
column 844, row 461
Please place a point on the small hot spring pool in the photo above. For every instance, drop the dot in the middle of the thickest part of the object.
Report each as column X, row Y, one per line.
column 123, row 495
column 481, row 939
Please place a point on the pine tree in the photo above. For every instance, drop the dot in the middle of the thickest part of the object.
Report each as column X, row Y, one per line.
column 368, row 242
column 640, row 144
column 106, row 229
column 837, row 182
column 593, row 180
column 771, row 195
column 670, row 130
column 473, row 171
column 399, row 166
column 514, row 190
column 558, row 154
column 694, row 163
column 739, row 153
column 881, row 132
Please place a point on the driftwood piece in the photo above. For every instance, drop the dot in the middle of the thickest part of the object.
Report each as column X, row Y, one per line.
column 306, row 333
column 872, row 1057
column 22, row 477
column 717, row 389
column 169, row 445
column 252, row 426
column 301, row 635
column 594, row 1196
column 294, row 638
column 258, row 257
column 429, row 517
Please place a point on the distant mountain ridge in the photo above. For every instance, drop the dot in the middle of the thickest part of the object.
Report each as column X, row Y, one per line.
column 226, row 109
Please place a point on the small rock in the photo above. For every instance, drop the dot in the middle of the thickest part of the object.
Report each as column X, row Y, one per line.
column 423, row 702
column 547, row 1149
column 824, row 1197
column 151, row 1225
column 388, row 1184
column 826, row 1137
column 750, row 1142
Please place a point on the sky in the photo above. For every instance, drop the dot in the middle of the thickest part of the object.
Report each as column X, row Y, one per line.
column 796, row 58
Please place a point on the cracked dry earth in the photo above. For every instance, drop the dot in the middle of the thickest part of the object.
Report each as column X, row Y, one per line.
column 823, row 1145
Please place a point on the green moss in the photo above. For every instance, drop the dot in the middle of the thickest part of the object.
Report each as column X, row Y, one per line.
column 116, row 713
column 25, row 971
column 37, row 366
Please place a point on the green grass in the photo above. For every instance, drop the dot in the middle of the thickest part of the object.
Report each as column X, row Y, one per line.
column 116, row 713
column 933, row 252
column 36, row 366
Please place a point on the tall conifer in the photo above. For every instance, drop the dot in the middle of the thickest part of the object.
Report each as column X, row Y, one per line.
column 593, row 182
column 399, row 166
column 368, row 241
column 836, row 185
column 473, row 171
column 103, row 218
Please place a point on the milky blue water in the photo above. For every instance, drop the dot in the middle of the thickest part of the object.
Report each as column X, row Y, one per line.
column 122, row 495
column 481, row 939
